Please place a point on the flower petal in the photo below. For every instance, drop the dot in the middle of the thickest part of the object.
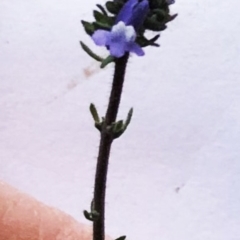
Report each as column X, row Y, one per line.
column 101, row 37
column 135, row 48
column 169, row 2
column 126, row 12
column 117, row 49
column 139, row 14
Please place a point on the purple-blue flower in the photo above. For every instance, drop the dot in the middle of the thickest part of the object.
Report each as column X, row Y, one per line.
column 169, row 2
column 121, row 38
column 133, row 13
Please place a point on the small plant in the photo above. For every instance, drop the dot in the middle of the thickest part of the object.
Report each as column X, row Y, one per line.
column 120, row 26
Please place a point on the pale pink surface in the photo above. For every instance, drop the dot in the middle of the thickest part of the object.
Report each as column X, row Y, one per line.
column 24, row 218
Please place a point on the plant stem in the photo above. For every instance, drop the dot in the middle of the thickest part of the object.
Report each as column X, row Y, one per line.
column 105, row 147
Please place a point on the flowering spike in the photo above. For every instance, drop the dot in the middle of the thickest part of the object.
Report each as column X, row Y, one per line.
column 124, row 32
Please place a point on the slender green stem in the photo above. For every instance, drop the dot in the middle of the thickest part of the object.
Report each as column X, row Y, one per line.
column 105, row 147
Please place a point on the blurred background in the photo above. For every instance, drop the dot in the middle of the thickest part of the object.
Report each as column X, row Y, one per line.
column 175, row 173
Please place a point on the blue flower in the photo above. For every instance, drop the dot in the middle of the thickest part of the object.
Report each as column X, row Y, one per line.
column 169, row 2
column 122, row 37
column 133, row 13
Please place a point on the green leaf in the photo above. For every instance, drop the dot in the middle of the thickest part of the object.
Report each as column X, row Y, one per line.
column 117, row 127
column 100, row 25
column 172, row 17
column 100, row 17
column 94, row 113
column 102, row 9
column 144, row 42
column 161, row 14
column 121, row 238
column 157, row 3
column 95, row 215
column 92, row 205
column 90, row 52
column 98, row 126
column 113, row 7
column 153, row 24
column 129, row 117
column 89, row 28
column 154, row 39
column 106, row 61
column 87, row 215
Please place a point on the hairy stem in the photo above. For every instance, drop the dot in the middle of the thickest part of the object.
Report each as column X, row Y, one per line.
column 105, row 147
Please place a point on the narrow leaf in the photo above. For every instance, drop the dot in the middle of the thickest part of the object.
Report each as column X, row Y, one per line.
column 106, row 61
column 98, row 126
column 87, row 215
column 94, row 113
column 89, row 28
column 100, row 17
column 102, row 9
column 129, row 117
column 118, row 126
column 100, row 25
column 90, row 52
column 92, row 202
column 121, row 238
column 95, row 215
column 113, row 7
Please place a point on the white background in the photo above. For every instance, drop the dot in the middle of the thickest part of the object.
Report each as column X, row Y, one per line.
column 175, row 173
